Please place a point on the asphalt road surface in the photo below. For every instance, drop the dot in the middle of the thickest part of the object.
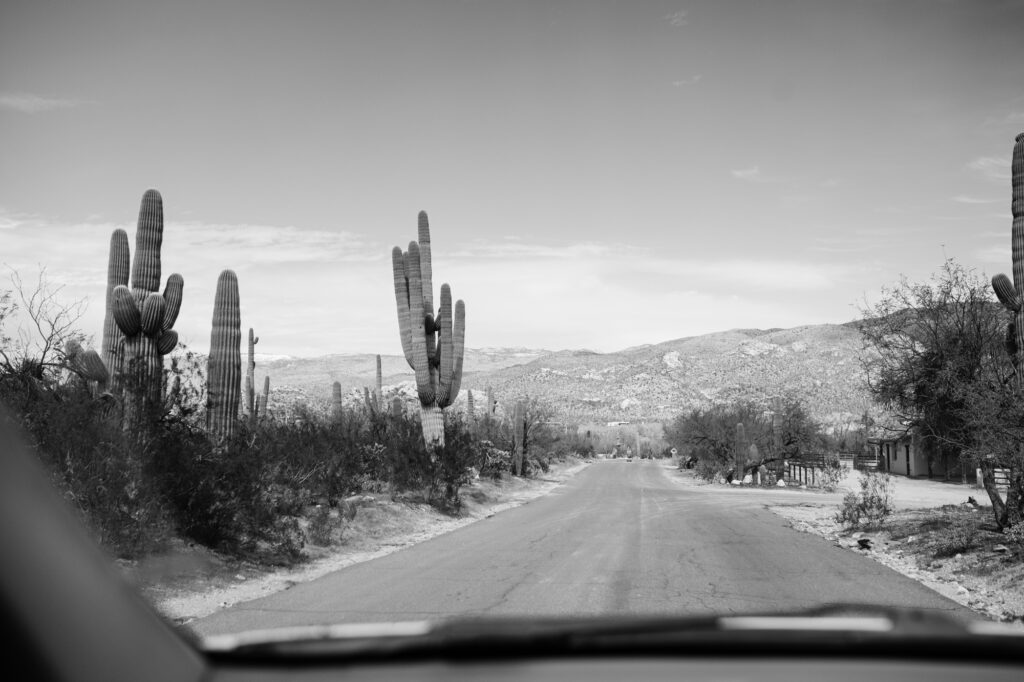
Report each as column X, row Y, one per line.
column 620, row 537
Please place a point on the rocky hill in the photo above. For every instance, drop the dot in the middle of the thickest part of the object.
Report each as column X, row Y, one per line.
column 817, row 363
column 649, row 383
column 646, row 383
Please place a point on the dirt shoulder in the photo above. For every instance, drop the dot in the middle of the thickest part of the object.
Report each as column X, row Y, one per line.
column 191, row 582
column 935, row 536
column 951, row 549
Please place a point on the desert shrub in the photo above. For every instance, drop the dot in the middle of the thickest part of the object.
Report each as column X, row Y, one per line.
column 452, row 464
column 832, row 473
column 959, row 538
column 1015, row 534
column 709, row 470
column 494, row 462
column 849, row 512
column 406, row 459
column 233, row 498
column 325, row 525
column 534, row 466
column 871, row 506
column 88, row 461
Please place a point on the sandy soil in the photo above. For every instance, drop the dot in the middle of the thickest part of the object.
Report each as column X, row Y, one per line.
column 192, row 582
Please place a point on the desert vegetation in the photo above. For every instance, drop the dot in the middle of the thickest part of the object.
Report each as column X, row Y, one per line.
column 149, row 441
column 734, row 441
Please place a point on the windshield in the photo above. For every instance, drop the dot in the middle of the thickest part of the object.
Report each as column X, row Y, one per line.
column 330, row 314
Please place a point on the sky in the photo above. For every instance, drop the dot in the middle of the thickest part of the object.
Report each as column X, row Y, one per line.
column 597, row 174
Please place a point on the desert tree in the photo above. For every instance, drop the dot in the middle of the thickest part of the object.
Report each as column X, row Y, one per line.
column 927, row 348
column 37, row 324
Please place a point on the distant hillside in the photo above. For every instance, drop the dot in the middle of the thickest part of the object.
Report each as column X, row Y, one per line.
column 654, row 382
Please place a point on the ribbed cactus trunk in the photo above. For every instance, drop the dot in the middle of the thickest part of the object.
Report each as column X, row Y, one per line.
column 265, row 398
column 433, row 346
column 249, row 405
column 518, row 438
column 143, row 316
column 469, row 406
column 491, row 402
column 1011, row 295
column 224, row 368
column 740, row 452
column 378, row 397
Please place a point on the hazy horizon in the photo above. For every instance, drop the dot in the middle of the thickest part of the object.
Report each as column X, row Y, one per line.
column 598, row 175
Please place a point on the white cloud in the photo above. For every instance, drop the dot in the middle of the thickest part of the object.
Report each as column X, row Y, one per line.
column 28, row 103
column 993, row 168
column 692, row 80
column 678, row 18
column 753, row 174
column 964, row 199
column 311, row 292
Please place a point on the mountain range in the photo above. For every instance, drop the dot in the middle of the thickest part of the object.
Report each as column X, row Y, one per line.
column 817, row 363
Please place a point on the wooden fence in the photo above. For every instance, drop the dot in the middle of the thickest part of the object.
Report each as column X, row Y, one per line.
column 1002, row 477
column 808, row 470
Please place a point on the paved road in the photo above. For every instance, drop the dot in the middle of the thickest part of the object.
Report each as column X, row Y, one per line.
column 620, row 537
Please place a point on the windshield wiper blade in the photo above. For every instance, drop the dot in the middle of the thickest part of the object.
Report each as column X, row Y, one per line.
column 839, row 629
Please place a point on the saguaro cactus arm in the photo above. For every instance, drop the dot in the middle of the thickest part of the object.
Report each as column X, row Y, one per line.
column 148, row 238
column 118, row 264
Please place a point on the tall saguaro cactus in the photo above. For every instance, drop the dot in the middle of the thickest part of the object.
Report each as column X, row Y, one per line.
column 263, row 399
column 1011, row 294
column 379, row 397
column 433, row 345
column 518, row 438
column 741, row 451
column 375, row 399
column 144, row 317
column 336, row 404
column 224, row 366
